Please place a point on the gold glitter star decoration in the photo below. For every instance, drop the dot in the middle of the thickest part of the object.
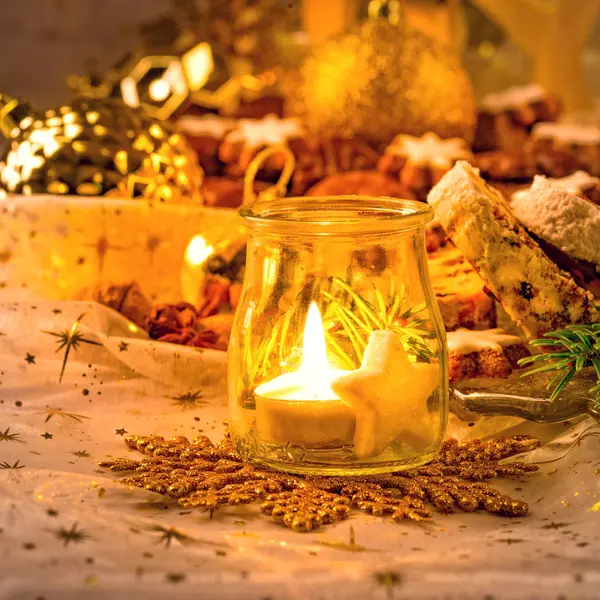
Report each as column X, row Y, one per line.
column 7, row 436
column 200, row 474
column 70, row 339
column 189, row 400
column 72, row 535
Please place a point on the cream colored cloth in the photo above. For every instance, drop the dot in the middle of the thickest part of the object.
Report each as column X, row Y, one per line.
column 54, row 482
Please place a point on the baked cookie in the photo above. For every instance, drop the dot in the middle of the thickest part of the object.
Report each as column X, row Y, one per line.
column 331, row 157
column 488, row 353
column 420, row 162
column 506, row 118
column 580, row 183
column 533, row 290
column 460, row 292
column 522, row 165
column 581, row 141
column 367, row 183
column 250, row 136
column 205, row 134
column 223, row 192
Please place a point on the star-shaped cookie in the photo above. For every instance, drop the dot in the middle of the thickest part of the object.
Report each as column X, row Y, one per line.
column 389, row 396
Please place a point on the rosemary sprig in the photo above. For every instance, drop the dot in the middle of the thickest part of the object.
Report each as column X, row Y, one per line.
column 566, row 352
column 352, row 316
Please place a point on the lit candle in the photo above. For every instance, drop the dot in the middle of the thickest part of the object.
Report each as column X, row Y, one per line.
column 192, row 270
column 301, row 406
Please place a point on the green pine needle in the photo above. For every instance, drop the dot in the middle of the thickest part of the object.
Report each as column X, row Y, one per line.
column 567, row 351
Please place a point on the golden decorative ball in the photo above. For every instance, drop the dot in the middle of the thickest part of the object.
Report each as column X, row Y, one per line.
column 380, row 80
column 96, row 147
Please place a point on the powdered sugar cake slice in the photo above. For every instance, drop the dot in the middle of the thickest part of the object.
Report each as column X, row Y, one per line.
column 533, row 290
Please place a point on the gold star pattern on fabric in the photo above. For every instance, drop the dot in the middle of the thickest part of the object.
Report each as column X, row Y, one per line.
column 15, row 465
column 189, row 400
column 7, row 436
column 200, row 474
column 102, row 246
column 70, row 339
column 72, row 535
column 169, row 534
column 152, row 244
column 81, row 454
column 53, row 412
column 389, row 397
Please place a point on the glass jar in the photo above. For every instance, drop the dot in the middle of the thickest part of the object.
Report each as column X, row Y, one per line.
column 337, row 360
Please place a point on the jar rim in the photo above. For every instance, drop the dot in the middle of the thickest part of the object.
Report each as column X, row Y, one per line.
column 337, row 215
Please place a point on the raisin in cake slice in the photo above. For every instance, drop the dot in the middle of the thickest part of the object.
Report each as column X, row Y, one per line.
column 533, row 290
column 489, row 353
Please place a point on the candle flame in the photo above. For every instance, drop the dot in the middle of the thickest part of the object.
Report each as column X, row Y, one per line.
column 314, row 350
column 198, row 251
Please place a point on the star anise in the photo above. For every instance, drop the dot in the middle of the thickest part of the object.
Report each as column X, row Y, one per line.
column 200, row 474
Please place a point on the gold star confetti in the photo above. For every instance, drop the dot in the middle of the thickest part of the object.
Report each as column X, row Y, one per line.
column 73, row 534
column 52, row 412
column 188, row 400
column 47, row 436
column 70, row 338
column 30, row 359
column 204, row 475
column 123, row 347
column 121, row 431
column 7, row 436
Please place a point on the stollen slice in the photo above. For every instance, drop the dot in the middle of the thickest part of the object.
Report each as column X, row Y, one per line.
column 536, row 294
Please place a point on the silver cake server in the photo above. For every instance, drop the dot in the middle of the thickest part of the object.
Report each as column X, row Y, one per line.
column 525, row 397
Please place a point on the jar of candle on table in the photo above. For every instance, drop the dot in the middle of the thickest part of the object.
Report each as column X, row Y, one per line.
column 337, row 361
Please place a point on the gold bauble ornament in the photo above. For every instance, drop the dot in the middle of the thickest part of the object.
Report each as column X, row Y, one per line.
column 383, row 79
column 95, row 147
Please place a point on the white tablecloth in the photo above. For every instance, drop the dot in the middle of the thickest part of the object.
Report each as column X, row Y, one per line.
column 50, row 483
